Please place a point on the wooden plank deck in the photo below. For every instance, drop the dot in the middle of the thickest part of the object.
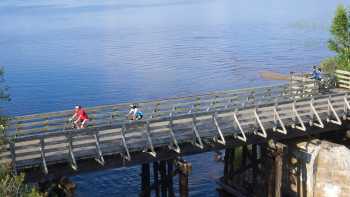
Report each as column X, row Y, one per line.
column 40, row 140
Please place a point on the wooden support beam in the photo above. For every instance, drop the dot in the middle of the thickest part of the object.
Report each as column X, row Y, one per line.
column 145, row 180
column 319, row 122
column 163, row 178
column 220, row 138
column 232, row 159
column 278, row 121
column 126, row 155
column 297, row 117
column 71, row 157
column 254, row 161
column 43, row 158
column 13, row 155
column 197, row 140
column 276, row 169
column 150, row 148
column 99, row 155
column 241, row 137
column 244, row 155
column 227, row 165
column 331, row 112
column 346, row 107
column 185, row 169
column 278, row 172
column 156, row 178
column 170, row 164
column 262, row 128
column 174, row 144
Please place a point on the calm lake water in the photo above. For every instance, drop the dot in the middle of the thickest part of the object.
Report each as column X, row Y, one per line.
column 61, row 53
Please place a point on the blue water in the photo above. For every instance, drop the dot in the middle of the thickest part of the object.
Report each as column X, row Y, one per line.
column 60, row 53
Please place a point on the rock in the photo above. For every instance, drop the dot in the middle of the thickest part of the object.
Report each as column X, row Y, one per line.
column 333, row 171
column 325, row 169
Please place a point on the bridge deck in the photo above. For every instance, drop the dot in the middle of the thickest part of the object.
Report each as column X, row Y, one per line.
column 42, row 140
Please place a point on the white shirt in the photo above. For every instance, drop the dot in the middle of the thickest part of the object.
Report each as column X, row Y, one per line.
column 133, row 111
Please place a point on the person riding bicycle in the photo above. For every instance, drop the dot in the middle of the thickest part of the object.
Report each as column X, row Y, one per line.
column 80, row 117
column 316, row 73
column 135, row 113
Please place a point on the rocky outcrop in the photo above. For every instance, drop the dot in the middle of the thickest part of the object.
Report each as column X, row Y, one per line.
column 319, row 169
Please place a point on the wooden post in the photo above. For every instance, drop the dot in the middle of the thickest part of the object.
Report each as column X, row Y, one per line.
column 276, row 174
column 278, row 171
column 299, row 184
column 145, row 180
column 163, row 178
column 227, row 165
column 185, row 169
column 170, row 178
column 155, row 177
column 232, row 162
column 255, row 163
column 244, row 155
column 243, row 163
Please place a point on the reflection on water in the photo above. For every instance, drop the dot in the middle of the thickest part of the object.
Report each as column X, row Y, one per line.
column 61, row 53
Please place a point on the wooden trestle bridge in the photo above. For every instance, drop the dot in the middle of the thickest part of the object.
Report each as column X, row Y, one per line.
column 45, row 143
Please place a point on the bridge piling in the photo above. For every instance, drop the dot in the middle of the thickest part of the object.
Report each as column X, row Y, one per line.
column 276, row 170
column 162, row 183
column 170, row 164
column 145, row 180
column 185, row 169
column 155, row 178
column 163, row 178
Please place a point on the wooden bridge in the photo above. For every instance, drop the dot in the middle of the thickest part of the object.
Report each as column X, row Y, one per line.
column 45, row 143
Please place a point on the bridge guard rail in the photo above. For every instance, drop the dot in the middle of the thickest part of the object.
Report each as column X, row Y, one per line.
column 278, row 113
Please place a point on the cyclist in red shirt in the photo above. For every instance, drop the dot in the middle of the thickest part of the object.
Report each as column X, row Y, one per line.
column 80, row 117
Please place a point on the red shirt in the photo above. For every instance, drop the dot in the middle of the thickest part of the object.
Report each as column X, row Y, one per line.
column 81, row 114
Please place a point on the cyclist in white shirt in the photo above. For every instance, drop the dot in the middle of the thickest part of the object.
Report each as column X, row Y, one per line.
column 135, row 113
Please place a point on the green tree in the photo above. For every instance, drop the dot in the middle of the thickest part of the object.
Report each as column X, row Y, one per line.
column 340, row 41
column 10, row 185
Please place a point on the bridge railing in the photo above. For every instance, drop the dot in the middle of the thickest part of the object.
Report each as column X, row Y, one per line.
column 108, row 114
column 303, row 85
column 343, row 78
column 242, row 120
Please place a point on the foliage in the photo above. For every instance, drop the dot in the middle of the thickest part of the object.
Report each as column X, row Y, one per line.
column 10, row 185
column 340, row 41
column 13, row 186
column 329, row 65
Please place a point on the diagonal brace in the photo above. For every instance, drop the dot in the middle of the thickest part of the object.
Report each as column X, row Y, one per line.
column 277, row 119
column 315, row 113
column 197, row 141
column 332, row 111
column 263, row 131
column 126, row 157
column 43, row 158
column 173, row 145
column 346, row 107
column 99, row 156
column 243, row 136
column 220, row 139
column 149, row 140
column 296, row 116
column 13, row 155
column 71, row 156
